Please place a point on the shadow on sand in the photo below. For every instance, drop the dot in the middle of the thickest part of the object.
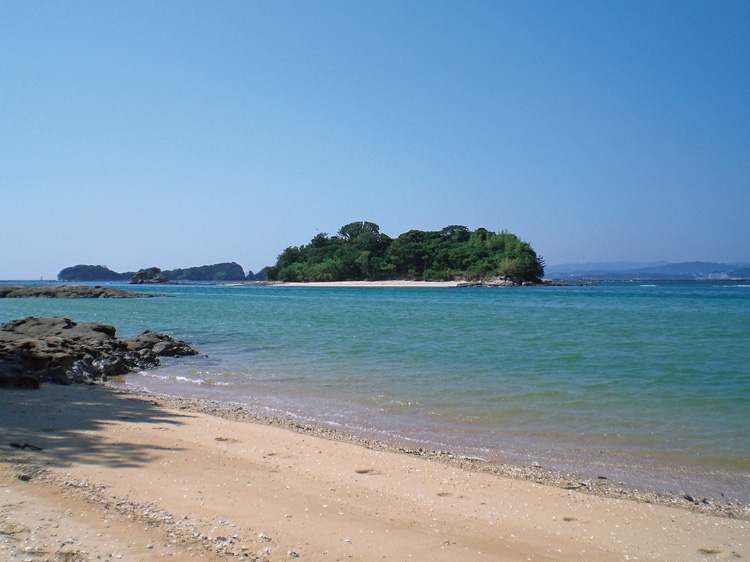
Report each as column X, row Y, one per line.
column 65, row 423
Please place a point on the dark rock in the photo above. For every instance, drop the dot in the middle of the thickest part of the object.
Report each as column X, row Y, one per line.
column 173, row 348
column 152, row 275
column 145, row 340
column 68, row 292
column 27, row 381
column 56, row 374
column 58, row 350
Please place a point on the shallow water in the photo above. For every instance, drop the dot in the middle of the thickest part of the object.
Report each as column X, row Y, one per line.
column 651, row 382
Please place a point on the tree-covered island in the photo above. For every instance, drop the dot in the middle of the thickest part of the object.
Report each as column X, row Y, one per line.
column 359, row 252
column 219, row 272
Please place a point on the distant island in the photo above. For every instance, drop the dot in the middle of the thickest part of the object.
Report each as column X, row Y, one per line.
column 360, row 252
column 658, row 271
column 228, row 271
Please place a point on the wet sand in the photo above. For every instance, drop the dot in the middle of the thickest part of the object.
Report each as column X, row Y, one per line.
column 121, row 476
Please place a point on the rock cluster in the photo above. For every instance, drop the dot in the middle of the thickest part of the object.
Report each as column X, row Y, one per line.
column 35, row 350
column 150, row 276
column 496, row 281
column 67, row 292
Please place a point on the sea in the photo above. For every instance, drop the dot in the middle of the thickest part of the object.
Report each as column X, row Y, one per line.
column 647, row 384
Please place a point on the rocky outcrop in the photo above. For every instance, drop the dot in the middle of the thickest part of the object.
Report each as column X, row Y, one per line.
column 152, row 275
column 57, row 350
column 496, row 281
column 260, row 276
column 68, row 292
column 501, row 281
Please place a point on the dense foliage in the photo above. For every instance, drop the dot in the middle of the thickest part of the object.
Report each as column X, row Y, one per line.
column 91, row 273
column 260, row 276
column 359, row 251
column 218, row 272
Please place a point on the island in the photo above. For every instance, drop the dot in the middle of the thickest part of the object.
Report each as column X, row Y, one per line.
column 360, row 252
column 219, row 272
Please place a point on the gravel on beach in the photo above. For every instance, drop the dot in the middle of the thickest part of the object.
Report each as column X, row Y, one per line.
column 600, row 486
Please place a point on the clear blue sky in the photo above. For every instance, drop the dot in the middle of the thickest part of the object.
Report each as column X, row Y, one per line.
column 184, row 133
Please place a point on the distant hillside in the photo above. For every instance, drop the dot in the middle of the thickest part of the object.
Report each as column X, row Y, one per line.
column 661, row 271
column 260, row 276
column 230, row 271
column 91, row 273
column 574, row 269
column 218, row 272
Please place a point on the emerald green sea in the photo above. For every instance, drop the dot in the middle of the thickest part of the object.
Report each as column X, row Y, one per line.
column 648, row 384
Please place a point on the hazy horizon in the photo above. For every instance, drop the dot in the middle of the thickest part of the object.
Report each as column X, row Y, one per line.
column 181, row 134
column 554, row 269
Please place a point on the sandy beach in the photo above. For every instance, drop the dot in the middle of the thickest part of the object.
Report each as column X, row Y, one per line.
column 108, row 475
column 386, row 284
column 362, row 284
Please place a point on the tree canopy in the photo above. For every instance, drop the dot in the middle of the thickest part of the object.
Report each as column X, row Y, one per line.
column 91, row 273
column 359, row 251
column 218, row 272
column 228, row 271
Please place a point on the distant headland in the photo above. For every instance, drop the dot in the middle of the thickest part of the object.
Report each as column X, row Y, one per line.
column 220, row 272
column 656, row 271
column 360, row 252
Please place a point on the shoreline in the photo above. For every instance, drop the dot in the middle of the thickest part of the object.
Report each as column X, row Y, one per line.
column 604, row 471
column 142, row 475
column 355, row 284
column 570, row 480
column 408, row 284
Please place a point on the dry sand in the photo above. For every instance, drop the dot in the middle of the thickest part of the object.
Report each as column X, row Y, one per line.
column 125, row 477
column 374, row 284
column 361, row 284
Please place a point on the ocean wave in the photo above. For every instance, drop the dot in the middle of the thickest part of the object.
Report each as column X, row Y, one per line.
column 183, row 378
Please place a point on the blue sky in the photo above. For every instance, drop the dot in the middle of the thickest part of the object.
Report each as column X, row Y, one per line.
column 176, row 134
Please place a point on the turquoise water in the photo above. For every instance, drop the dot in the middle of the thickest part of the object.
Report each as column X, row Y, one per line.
column 624, row 376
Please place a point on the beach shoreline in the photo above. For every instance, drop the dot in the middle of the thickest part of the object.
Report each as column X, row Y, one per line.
column 284, row 489
column 544, row 459
column 533, row 471
column 357, row 284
